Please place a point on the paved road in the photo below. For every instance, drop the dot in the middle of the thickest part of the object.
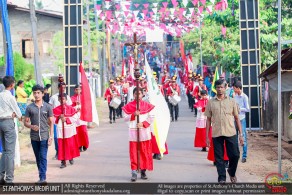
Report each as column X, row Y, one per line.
column 107, row 159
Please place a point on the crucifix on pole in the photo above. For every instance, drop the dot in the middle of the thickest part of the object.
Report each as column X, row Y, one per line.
column 137, row 76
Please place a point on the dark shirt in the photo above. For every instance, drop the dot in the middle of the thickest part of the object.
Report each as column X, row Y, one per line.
column 46, row 97
column 39, row 116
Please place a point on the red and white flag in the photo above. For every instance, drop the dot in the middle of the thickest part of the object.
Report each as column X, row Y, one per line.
column 88, row 110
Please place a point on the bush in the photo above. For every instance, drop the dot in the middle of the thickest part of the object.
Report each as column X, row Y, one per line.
column 22, row 69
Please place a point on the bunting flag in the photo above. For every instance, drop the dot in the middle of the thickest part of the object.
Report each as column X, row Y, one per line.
column 216, row 77
column 161, row 111
column 140, row 17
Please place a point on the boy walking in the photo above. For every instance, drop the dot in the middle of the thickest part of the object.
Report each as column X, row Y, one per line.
column 40, row 116
column 242, row 101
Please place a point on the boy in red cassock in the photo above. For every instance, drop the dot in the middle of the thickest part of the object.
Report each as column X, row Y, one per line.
column 67, row 140
column 146, row 118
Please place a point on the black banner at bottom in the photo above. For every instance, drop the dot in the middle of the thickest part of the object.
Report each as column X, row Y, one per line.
column 146, row 188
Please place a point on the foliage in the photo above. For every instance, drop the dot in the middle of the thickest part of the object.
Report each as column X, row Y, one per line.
column 217, row 50
column 229, row 58
column 96, row 33
column 57, row 50
column 28, row 86
column 38, row 5
column 22, row 69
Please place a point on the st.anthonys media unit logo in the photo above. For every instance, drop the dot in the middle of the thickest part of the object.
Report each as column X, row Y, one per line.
column 274, row 181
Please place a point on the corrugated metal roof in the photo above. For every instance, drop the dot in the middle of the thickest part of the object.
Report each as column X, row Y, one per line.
column 286, row 61
column 286, row 80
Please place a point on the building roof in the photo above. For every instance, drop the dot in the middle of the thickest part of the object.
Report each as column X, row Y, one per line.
column 49, row 13
column 286, row 64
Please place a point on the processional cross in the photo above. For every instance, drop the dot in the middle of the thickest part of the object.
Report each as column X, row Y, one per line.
column 137, row 76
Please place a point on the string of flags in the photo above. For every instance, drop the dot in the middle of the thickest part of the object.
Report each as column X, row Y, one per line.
column 172, row 18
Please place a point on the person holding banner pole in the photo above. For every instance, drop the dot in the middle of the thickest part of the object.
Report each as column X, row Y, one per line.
column 139, row 134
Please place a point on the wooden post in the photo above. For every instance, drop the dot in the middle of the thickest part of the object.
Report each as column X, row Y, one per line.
column 37, row 64
column 61, row 83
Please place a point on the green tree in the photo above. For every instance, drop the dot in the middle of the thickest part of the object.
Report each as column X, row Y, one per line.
column 57, row 50
column 22, row 69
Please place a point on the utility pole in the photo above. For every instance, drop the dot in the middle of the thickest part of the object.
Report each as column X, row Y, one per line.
column 88, row 37
column 4, row 43
column 105, row 68
column 37, row 64
column 101, row 68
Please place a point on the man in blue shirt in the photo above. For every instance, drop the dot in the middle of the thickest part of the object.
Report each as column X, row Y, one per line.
column 242, row 101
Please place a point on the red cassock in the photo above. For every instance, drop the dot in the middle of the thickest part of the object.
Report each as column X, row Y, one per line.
column 200, row 137
column 163, row 79
column 81, row 127
column 155, row 149
column 145, row 144
column 211, row 155
column 67, row 142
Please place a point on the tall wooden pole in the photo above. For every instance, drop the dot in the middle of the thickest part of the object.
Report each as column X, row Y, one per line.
column 37, row 64
column 137, row 76
column 61, row 91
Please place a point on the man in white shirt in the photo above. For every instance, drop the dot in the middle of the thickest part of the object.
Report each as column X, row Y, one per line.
column 8, row 111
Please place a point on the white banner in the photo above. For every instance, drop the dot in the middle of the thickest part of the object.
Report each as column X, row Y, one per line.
column 161, row 111
column 155, row 35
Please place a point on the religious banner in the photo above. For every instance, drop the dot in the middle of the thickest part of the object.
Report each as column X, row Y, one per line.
column 155, row 35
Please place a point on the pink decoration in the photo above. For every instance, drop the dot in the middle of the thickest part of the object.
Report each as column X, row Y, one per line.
column 136, row 5
column 164, row 4
column 201, row 9
column 174, row 3
column 97, row 7
column 195, row 2
column 203, row 2
column 126, row 13
column 209, row 9
column 218, row 6
column 224, row 5
column 145, row 12
column 118, row 7
column 146, row 5
column 109, row 14
column 223, row 30
column 127, row 7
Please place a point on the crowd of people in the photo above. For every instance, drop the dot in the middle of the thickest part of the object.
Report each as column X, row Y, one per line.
column 50, row 119
column 220, row 113
column 220, row 116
